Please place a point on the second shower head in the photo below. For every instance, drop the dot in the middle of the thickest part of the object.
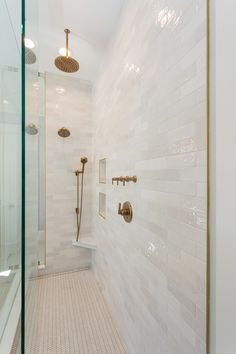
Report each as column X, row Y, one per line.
column 84, row 160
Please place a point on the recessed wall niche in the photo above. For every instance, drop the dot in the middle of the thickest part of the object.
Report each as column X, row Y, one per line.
column 102, row 171
column 102, row 205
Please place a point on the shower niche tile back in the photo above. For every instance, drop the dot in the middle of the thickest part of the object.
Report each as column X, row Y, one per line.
column 102, row 171
column 102, row 205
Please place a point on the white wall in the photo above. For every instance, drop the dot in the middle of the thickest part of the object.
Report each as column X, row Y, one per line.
column 68, row 103
column 223, row 177
column 150, row 121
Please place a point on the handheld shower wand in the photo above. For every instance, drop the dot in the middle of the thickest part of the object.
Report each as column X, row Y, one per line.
column 79, row 207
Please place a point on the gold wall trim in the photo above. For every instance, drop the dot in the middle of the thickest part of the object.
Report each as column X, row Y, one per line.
column 208, row 269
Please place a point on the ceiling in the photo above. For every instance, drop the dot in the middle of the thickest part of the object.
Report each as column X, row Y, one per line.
column 91, row 22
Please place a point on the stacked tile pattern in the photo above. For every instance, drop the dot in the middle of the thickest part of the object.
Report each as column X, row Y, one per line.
column 72, row 318
column 68, row 104
column 150, row 121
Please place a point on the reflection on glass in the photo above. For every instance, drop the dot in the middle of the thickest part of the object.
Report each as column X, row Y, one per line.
column 32, row 176
column 10, row 159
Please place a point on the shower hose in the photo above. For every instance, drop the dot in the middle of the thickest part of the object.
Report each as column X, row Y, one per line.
column 79, row 203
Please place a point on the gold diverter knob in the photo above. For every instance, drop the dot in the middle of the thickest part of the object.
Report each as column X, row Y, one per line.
column 126, row 211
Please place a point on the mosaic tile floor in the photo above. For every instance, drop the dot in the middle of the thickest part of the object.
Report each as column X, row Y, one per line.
column 71, row 317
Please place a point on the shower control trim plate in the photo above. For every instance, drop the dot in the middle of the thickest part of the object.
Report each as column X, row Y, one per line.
column 126, row 211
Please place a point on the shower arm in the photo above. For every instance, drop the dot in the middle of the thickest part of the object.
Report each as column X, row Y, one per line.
column 67, row 42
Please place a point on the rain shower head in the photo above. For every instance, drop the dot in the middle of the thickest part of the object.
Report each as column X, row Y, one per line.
column 66, row 63
column 31, row 129
column 30, row 57
column 64, row 132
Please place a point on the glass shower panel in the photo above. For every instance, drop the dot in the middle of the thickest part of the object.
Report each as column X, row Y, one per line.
column 10, row 164
column 32, row 133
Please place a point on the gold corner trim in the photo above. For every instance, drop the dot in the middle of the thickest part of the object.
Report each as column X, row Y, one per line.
column 208, row 254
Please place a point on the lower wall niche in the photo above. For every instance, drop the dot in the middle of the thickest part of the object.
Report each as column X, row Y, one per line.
column 102, row 205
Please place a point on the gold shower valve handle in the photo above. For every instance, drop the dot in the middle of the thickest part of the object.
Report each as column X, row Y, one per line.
column 121, row 179
column 123, row 211
column 115, row 179
column 131, row 179
column 126, row 211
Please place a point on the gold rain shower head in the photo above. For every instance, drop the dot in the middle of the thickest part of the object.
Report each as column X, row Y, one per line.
column 64, row 132
column 66, row 63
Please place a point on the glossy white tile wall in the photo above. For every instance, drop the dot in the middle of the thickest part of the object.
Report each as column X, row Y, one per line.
column 150, row 104
column 68, row 103
column 222, row 182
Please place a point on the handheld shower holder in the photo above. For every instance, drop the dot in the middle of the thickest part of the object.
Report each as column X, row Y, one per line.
column 79, row 207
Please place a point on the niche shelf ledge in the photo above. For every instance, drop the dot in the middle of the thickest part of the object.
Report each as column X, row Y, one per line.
column 86, row 242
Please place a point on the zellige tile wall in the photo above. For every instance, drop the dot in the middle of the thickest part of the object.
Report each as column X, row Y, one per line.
column 150, row 121
column 68, row 104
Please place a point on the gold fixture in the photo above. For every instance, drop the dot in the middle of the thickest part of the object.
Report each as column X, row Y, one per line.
column 124, row 179
column 83, row 160
column 64, row 132
column 66, row 63
column 126, row 211
column 208, row 270
column 79, row 207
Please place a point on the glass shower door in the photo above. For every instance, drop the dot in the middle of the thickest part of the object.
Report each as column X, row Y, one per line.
column 19, row 174
column 10, row 170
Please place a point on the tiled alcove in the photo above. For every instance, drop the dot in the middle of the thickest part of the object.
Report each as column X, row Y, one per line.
column 102, row 205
